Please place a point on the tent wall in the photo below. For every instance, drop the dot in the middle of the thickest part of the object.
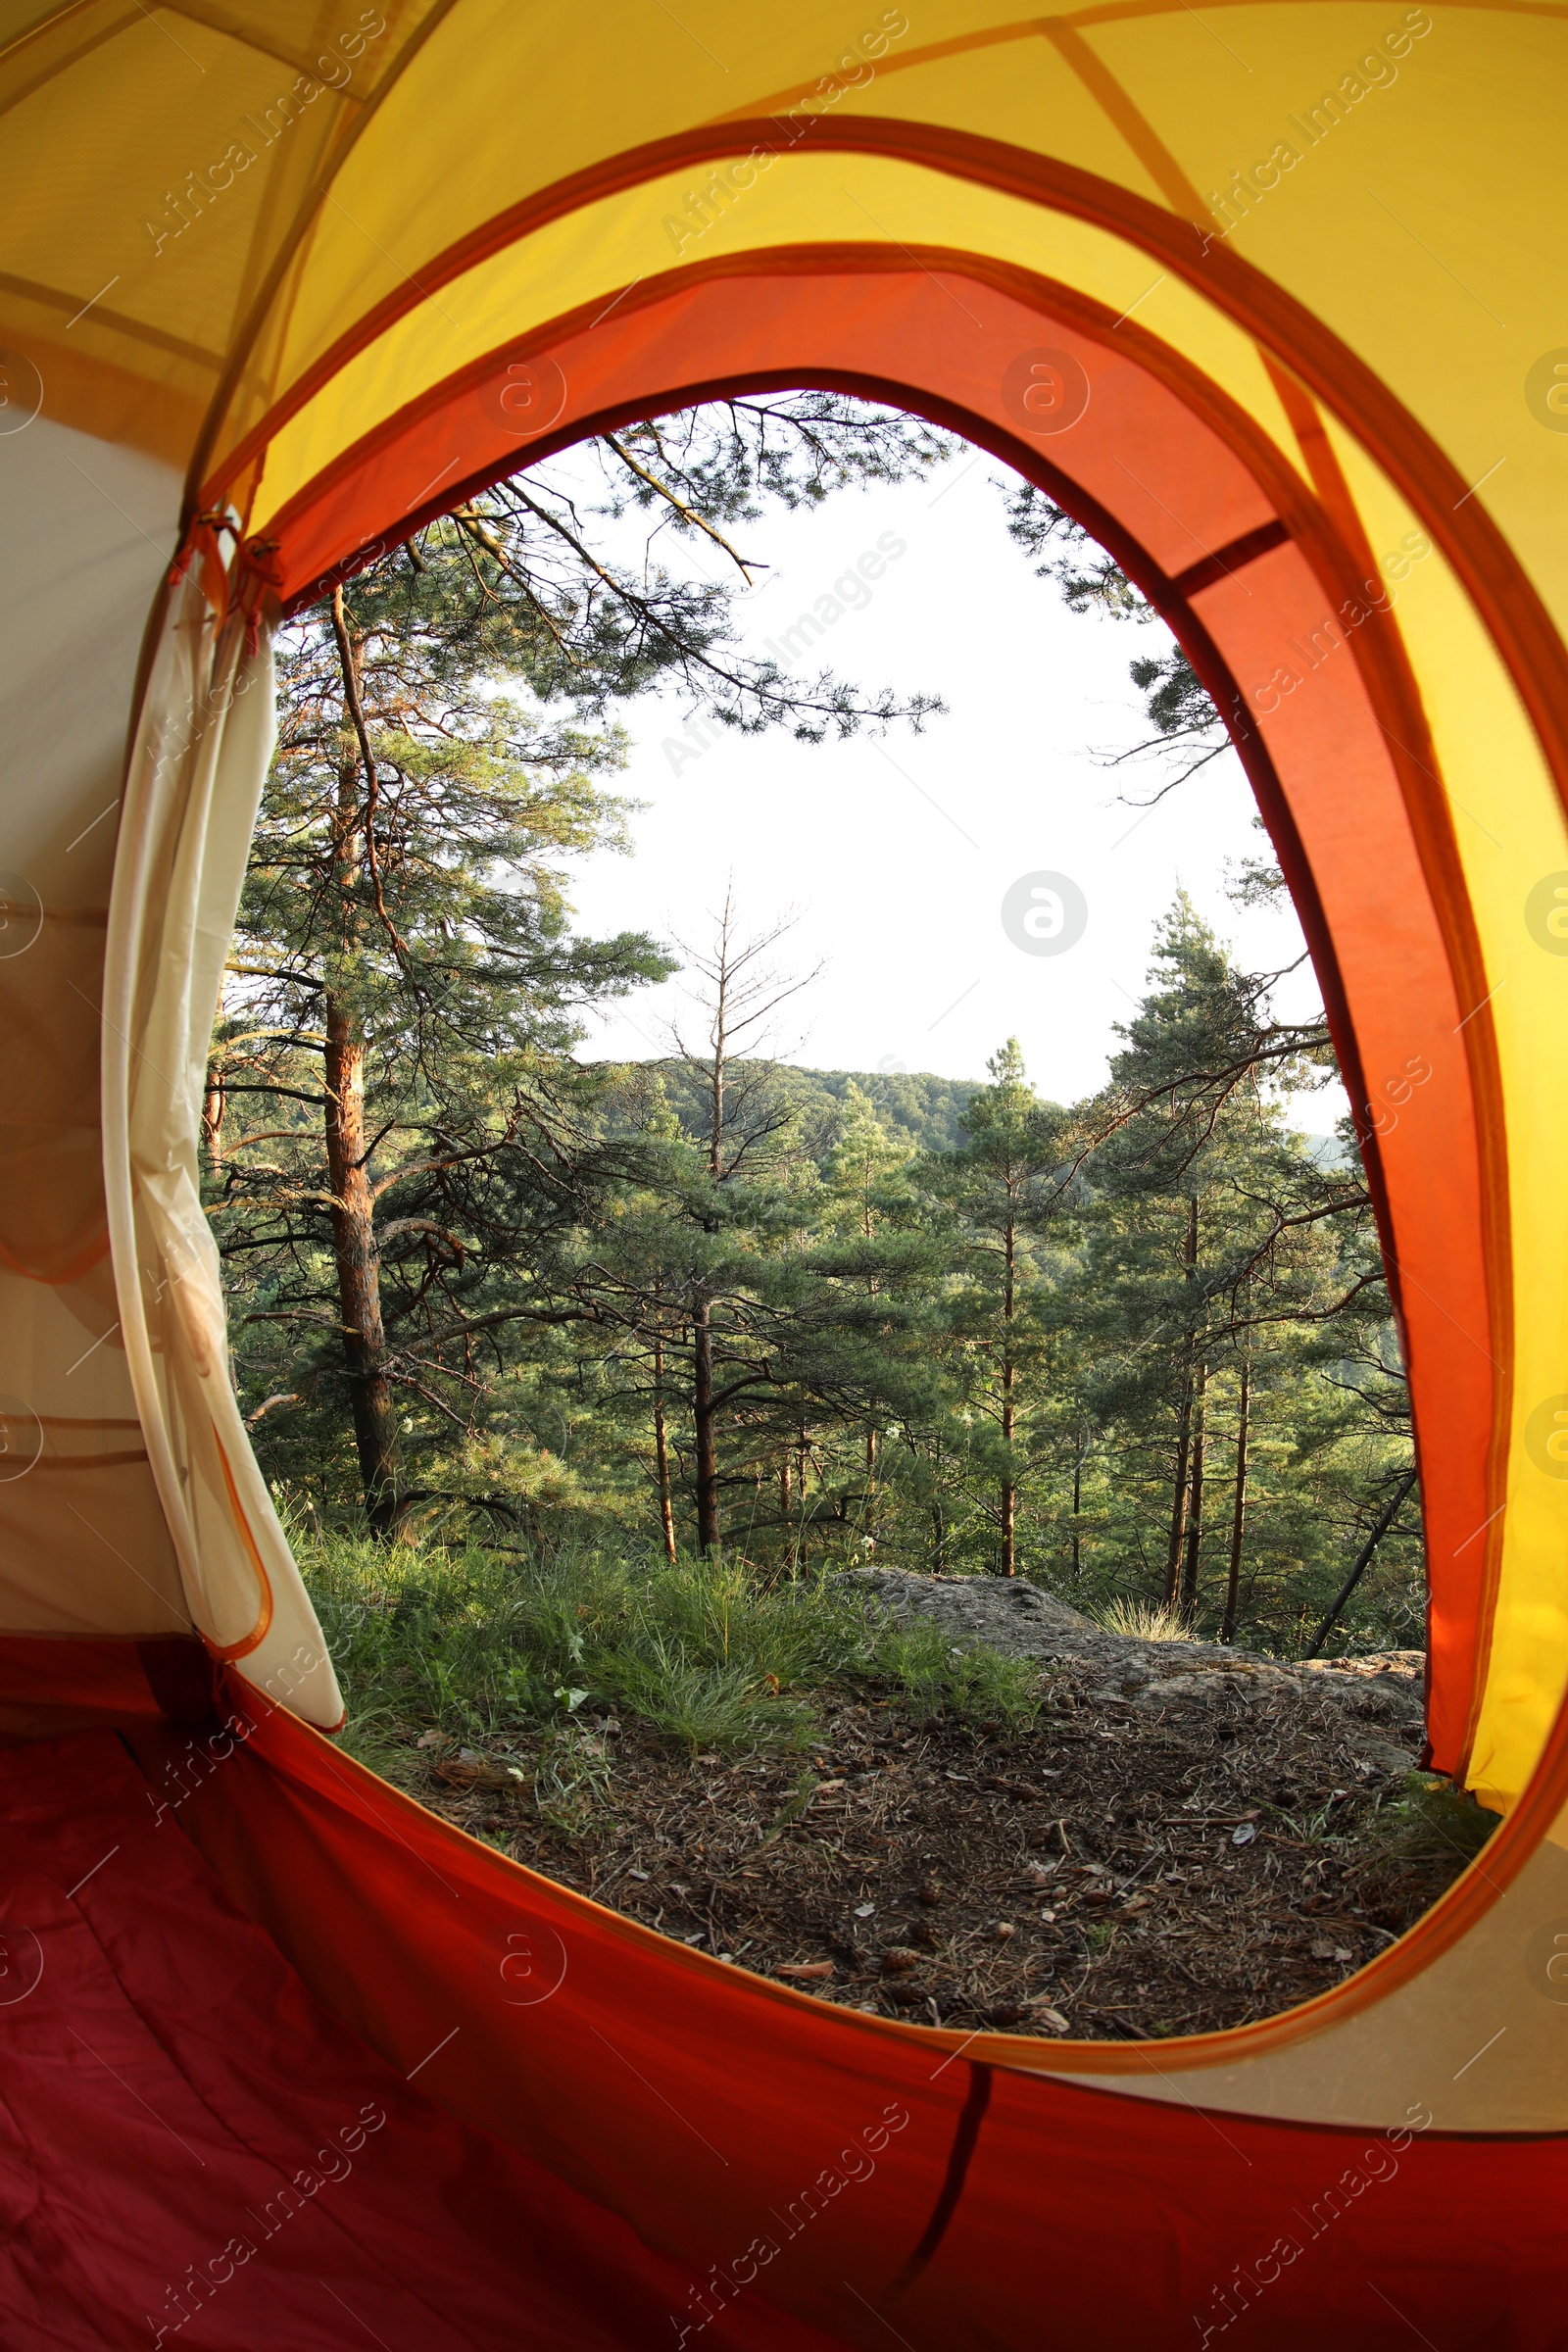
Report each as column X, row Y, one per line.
column 110, row 1462
column 197, row 765
column 758, row 2160
column 85, row 529
column 950, row 2187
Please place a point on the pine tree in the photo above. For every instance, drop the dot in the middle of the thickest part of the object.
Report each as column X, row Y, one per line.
column 405, row 917
column 1007, row 1187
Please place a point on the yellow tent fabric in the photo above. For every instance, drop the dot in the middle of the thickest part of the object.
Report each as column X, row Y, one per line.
column 1265, row 293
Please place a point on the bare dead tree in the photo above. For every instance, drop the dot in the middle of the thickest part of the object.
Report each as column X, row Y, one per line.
column 743, row 991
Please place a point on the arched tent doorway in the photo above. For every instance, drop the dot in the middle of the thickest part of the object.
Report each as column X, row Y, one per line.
column 1281, row 425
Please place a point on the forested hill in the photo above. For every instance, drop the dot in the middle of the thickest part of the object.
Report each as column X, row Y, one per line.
column 919, row 1111
column 909, row 1104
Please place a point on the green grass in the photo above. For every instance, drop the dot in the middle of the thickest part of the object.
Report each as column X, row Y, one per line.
column 1431, row 1821
column 714, row 1654
column 572, row 1780
column 982, row 1687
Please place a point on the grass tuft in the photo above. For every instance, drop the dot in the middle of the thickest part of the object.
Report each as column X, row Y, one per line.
column 704, row 1705
column 1147, row 1621
column 981, row 1688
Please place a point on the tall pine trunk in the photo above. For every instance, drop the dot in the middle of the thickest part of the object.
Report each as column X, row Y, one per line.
column 1233, row 1583
column 704, row 1430
column 1077, row 1494
column 213, row 1103
column 666, row 1508
column 1009, row 1491
column 214, row 1106
column 1194, row 1504
column 1178, row 1492
column 354, row 1243
column 1184, row 1426
column 358, row 1278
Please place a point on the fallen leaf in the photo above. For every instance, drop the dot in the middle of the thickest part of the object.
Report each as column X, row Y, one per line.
column 466, row 1770
column 805, row 1969
column 431, row 1740
column 1244, row 1832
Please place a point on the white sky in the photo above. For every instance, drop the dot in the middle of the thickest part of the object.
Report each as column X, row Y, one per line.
column 896, row 852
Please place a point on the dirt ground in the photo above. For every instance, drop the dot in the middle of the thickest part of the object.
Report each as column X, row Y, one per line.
column 1184, row 1839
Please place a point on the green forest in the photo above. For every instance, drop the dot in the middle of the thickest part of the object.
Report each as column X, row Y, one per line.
column 484, row 1289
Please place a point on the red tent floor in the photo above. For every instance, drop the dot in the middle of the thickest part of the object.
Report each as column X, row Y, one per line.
column 192, row 2150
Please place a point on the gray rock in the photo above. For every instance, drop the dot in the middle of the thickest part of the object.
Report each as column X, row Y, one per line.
column 1382, row 1753
column 1024, row 1620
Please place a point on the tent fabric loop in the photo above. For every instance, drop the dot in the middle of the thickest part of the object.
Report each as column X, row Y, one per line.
column 248, row 581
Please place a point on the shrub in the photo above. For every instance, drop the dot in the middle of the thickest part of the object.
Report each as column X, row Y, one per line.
column 1431, row 1821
